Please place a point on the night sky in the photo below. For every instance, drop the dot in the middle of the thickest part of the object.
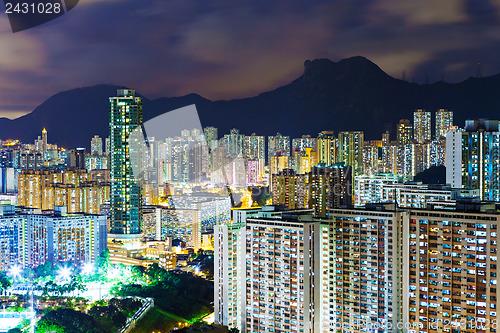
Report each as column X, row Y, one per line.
column 229, row 49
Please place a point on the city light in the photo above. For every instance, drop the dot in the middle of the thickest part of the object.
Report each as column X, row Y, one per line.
column 88, row 268
column 15, row 271
column 344, row 200
column 64, row 273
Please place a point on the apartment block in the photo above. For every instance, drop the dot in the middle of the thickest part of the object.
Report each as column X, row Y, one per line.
column 365, row 277
column 453, row 270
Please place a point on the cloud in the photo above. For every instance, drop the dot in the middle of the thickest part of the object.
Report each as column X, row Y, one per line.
column 18, row 52
column 422, row 12
column 228, row 50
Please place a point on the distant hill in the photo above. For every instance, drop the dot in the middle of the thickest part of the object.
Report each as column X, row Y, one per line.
column 351, row 94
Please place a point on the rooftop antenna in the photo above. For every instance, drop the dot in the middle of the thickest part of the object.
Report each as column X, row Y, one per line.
column 478, row 71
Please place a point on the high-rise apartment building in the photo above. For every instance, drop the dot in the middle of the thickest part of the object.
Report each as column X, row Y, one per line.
column 289, row 189
column 322, row 188
column 8, row 180
column 306, row 141
column 377, row 268
column 350, row 151
column 160, row 223
column 453, row 270
column 254, row 147
column 282, row 278
column 326, row 147
column 371, row 160
column 77, row 158
column 454, row 157
column 404, row 132
column 405, row 160
column 125, row 116
column 233, row 142
column 78, row 190
column 473, row 158
column 422, row 125
column 370, row 188
column 329, row 187
column 96, row 146
column 211, row 135
column 278, row 145
column 366, row 277
column 229, row 249
column 444, row 120
column 29, row 239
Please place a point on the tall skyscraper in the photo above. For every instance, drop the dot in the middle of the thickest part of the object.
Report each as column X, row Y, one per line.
column 229, row 245
column 125, row 116
column 454, row 157
column 44, row 140
column 422, row 125
column 106, row 145
column 404, row 132
column 444, row 120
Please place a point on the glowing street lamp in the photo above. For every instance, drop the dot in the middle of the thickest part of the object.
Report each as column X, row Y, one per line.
column 15, row 271
column 88, row 268
column 64, row 273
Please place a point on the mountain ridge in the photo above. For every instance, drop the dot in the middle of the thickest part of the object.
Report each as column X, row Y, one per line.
column 351, row 94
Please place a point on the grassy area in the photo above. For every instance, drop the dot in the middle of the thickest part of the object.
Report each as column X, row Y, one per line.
column 157, row 320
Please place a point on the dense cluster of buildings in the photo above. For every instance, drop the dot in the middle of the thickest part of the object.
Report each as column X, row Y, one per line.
column 378, row 268
column 349, row 241
column 387, row 254
column 29, row 238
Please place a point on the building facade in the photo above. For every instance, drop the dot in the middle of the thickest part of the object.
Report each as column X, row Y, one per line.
column 125, row 117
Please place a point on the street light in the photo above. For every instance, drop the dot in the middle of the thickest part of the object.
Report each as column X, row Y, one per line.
column 88, row 268
column 15, row 271
column 64, row 273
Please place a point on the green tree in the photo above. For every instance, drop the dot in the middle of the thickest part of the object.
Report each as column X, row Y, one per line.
column 102, row 264
column 70, row 321
column 137, row 273
column 5, row 282
column 48, row 327
column 15, row 330
column 156, row 274
column 46, row 270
